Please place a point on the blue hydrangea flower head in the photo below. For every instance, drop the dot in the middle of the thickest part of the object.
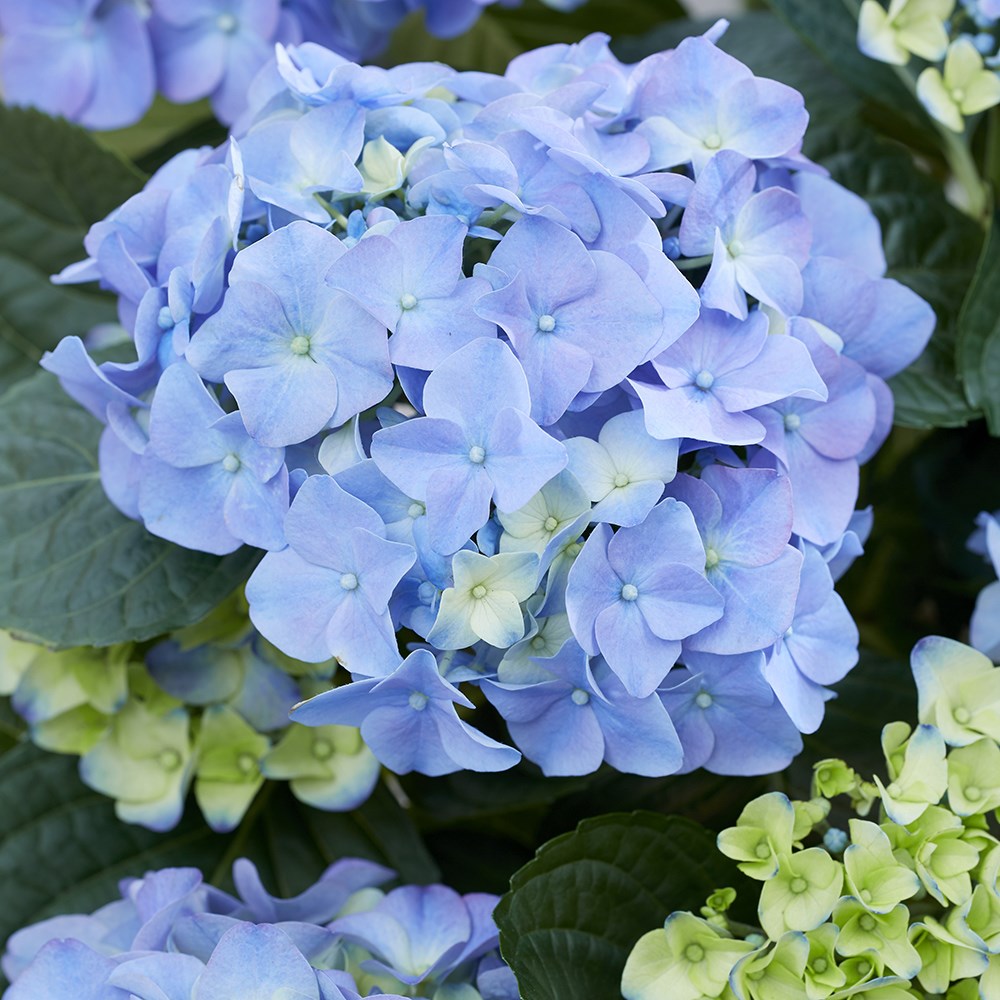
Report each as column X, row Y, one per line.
column 634, row 607
column 579, row 717
column 327, row 593
column 314, row 358
column 476, row 443
column 409, row 721
column 205, row 482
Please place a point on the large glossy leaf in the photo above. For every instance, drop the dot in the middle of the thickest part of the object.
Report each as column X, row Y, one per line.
column 573, row 913
column 76, row 571
column 978, row 349
column 62, row 850
column 54, row 183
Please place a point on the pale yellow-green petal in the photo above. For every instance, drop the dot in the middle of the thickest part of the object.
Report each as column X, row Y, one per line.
column 982, row 93
column 936, row 99
column 924, row 36
column 876, row 39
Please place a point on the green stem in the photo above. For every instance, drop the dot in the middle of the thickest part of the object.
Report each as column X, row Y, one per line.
column 693, row 263
column 963, row 167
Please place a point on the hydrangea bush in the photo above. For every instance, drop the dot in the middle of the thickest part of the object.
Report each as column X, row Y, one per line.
column 431, row 340
column 435, row 453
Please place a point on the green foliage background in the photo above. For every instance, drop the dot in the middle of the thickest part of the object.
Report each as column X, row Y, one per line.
column 77, row 572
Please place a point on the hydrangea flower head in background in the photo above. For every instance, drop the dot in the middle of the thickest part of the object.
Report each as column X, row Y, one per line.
column 104, row 60
column 173, row 935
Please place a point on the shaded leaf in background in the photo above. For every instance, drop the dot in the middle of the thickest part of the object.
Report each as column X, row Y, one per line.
column 55, row 181
column 978, row 348
column 76, row 571
column 574, row 912
column 63, row 850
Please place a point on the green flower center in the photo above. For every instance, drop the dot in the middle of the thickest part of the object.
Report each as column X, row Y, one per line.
column 479, row 591
column 798, row 885
column 694, row 953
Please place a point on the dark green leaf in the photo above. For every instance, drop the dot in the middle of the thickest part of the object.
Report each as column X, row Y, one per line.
column 574, row 912
column 501, row 34
column 830, row 29
column 76, row 571
column 62, row 850
column 978, row 348
column 930, row 246
column 54, row 183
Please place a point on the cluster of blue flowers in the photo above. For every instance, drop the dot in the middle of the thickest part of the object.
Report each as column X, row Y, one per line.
column 556, row 380
column 173, row 937
column 101, row 62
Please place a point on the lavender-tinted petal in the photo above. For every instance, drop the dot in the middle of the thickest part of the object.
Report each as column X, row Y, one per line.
column 639, row 735
column 593, row 585
column 638, row 657
column 186, row 505
column 66, row 970
column 760, row 604
column 520, row 459
column 292, row 602
column 255, row 962
column 158, row 977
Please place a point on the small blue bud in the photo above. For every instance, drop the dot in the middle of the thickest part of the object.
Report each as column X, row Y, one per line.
column 835, row 840
column 672, row 247
column 985, row 43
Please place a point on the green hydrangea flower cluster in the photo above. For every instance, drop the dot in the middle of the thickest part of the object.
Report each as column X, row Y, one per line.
column 208, row 708
column 903, row 904
column 960, row 44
